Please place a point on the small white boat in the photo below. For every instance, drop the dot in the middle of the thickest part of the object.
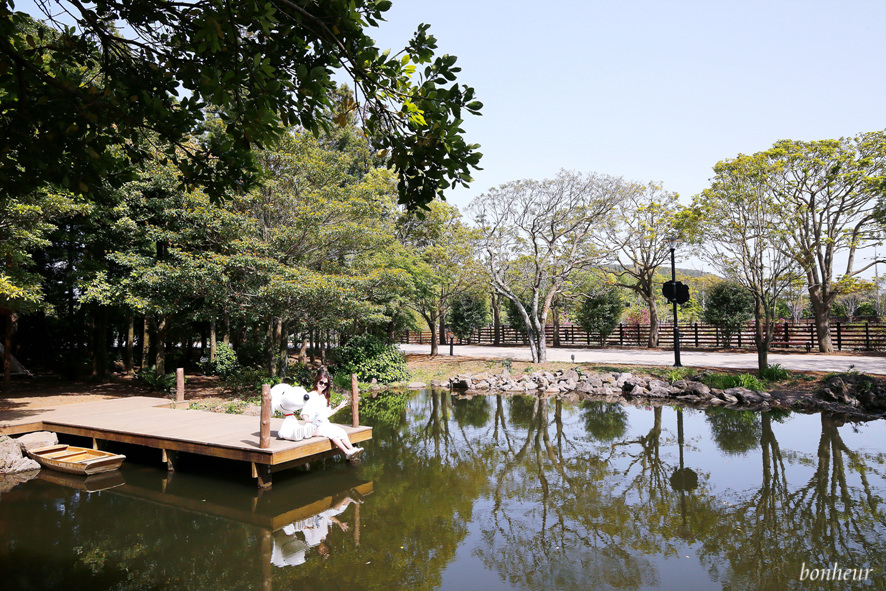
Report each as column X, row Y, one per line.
column 76, row 460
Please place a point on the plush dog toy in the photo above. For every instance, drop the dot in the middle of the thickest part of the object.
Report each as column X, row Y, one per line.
column 289, row 400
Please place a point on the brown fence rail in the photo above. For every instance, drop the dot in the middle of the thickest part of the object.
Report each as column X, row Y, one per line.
column 849, row 336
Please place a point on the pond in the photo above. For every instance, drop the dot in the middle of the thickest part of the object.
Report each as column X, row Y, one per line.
column 485, row 493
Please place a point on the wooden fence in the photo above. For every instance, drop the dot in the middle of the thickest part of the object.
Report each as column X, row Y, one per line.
column 848, row 336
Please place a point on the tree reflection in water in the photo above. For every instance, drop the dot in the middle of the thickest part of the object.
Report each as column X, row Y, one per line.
column 537, row 493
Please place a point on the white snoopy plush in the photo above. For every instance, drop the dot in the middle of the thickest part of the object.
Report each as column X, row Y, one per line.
column 289, row 400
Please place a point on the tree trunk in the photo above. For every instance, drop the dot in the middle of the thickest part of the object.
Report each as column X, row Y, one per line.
column 442, row 324
column 431, row 321
column 822, row 313
column 283, row 347
column 227, row 326
column 213, row 344
column 653, row 323
column 11, row 320
column 128, row 351
column 303, row 350
column 272, row 341
column 496, row 319
column 312, row 346
column 324, row 343
column 556, row 315
column 146, row 342
column 160, row 343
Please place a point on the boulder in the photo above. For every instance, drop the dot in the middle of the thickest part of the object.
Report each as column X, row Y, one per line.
column 570, row 374
column 595, row 380
column 460, row 382
column 37, row 439
column 585, row 387
column 417, row 385
column 744, row 395
column 12, row 459
column 657, row 390
column 637, row 390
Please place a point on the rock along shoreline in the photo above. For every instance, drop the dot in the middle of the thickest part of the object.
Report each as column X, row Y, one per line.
column 855, row 396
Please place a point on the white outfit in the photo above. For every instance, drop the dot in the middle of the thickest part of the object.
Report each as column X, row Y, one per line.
column 317, row 412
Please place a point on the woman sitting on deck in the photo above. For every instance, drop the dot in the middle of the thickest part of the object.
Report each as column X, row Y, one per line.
column 319, row 412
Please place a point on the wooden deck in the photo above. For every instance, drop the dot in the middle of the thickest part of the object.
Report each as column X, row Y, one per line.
column 153, row 422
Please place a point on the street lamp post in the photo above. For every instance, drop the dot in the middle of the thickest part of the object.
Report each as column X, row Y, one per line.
column 672, row 242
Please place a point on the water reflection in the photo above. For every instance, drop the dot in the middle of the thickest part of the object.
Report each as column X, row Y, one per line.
column 488, row 492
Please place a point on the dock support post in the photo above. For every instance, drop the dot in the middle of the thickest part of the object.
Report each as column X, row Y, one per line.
column 263, row 473
column 264, row 433
column 355, row 401
column 179, row 385
column 171, row 459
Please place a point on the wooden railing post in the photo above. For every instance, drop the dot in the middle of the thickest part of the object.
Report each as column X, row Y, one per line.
column 355, row 401
column 180, row 385
column 264, row 433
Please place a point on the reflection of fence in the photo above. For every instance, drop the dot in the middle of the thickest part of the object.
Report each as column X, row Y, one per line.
column 868, row 336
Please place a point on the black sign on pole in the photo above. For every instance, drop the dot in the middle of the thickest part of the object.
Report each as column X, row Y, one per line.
column 675, row 292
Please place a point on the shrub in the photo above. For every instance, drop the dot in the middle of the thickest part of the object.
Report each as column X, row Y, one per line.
column 469, row 313
column 249, row 380
column 725, row 381
column 225, row 362
column 301, row 374
column 600, row 313
column 775, row 373
column 728, row 307
column 161, row 383
column 369, row 357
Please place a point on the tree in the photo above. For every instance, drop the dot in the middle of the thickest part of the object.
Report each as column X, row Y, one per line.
column 636, row 239
column 828, row 195
column 469, row 313
column 443, row 266
column 68, row 93
column 744, row 235
column 600, row 312
column 25, row 223
column 853, row 292
column 535, row 234
column 728, row 306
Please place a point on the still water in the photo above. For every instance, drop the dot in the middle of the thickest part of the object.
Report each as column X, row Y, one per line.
column 484, row 493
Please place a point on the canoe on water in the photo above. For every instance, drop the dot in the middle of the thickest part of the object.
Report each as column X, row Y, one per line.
column 76, row 460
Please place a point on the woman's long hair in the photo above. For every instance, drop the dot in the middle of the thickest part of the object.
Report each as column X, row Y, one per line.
column 325, row 389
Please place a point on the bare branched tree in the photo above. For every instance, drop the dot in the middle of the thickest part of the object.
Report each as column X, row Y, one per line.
column 542, row 229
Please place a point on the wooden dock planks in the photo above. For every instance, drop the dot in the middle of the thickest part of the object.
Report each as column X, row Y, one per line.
column 152, row 423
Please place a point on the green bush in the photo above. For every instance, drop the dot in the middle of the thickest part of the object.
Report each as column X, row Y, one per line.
column 728, row 307
column 225, row 363
column 775, row 373
column 300, row 374
column 600, row 313
column 149, row 375
column 469, row 313
column 726, row 381
column 248, row 380
column 369, row 357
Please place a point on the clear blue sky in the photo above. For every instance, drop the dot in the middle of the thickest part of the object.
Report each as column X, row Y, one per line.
column 655, row 90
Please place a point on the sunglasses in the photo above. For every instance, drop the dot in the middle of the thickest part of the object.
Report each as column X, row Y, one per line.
column 323, row 382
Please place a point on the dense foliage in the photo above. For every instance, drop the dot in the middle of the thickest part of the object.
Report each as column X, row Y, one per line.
column 470, row 312
column 370, row 358
column 601, row 313
column 728, row 307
